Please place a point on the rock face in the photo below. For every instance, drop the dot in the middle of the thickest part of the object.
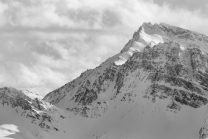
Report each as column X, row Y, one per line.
column 160, row 64
column 156, row 87
column 28, row 110
column 173, row 58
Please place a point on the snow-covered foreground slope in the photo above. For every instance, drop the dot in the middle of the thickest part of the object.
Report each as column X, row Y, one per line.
column 155, row 88
column 20, row 120
column 23, row 115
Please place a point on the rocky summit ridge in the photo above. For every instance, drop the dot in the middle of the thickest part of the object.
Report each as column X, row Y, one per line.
column 167, row 55
column 156, row 87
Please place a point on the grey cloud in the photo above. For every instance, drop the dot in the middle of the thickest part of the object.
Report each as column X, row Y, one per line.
column 110, row 18
column 189, row 4
column 84, row 15
column 24, row 14
column 45, row 48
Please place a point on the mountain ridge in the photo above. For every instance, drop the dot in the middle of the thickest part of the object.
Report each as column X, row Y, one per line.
column 156, row 87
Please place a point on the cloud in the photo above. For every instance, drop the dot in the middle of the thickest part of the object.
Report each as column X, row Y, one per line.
column 3, row 7
column 51, row 62
column 24, row 77
column 1, row 57
column 47, row 43
column 52, row 13
column 186, row 4
column 115, row 16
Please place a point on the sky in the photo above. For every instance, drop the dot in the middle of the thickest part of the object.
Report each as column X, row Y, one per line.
column 45, row 44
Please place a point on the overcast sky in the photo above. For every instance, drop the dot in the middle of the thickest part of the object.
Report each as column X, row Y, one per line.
column 47, row 43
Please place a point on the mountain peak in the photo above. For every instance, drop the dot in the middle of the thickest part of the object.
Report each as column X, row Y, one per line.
column 151, row 35
column 156, row 87
column 160, row 75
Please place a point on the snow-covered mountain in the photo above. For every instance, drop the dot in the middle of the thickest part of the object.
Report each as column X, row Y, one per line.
column 155, row 88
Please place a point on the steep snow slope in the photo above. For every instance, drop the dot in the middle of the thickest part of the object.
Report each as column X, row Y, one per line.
column 155, row 88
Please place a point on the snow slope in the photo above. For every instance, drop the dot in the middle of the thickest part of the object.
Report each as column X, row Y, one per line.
column 155, row 88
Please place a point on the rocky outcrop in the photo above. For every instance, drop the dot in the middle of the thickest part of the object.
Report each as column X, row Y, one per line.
column 161, row 62
column 173, row 69
column 28, row 105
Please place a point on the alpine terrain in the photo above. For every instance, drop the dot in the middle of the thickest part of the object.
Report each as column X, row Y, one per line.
column 155, row 88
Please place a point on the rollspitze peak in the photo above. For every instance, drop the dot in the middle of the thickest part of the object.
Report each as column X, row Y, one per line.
column 159, row 78
column 155, row 87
